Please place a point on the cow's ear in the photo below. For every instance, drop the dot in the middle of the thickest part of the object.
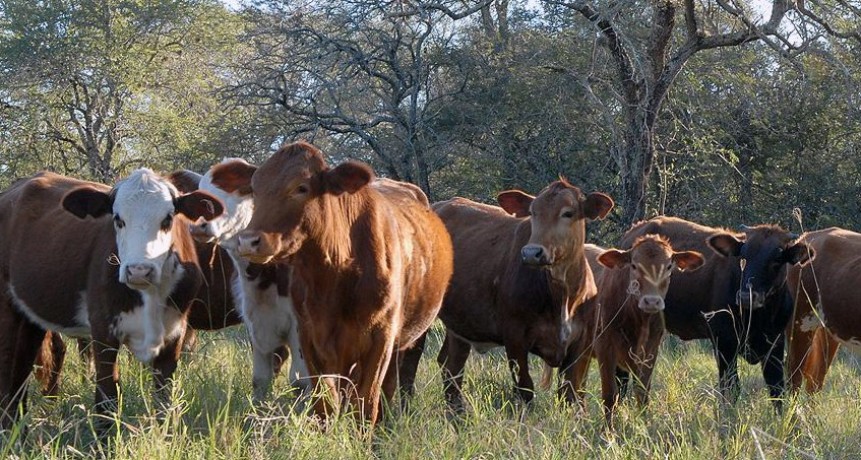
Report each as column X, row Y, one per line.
column 799, row 253
column 198, row 204
column 185, row 181
column 688, row 260
column 349, row 177
column 614, row 258
column 87, row 201
column 597, row 205
column 515, row 202
column 725, row 244
column 233, row 176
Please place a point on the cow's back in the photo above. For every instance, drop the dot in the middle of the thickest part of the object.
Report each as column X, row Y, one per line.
column 46, row 252
column 482, row 237
column 690, row 293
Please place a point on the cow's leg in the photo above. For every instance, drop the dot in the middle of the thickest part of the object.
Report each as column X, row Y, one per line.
column 262, row 372
column 518, row 365
column 452, row 359
column 822, row 351
column 609, row 386
column 645, row 368
column 726, row 354
column 105, row 348
column 573, row 372
column 802, row 355
column 773, row 372
column 279, row 357
column 19, row 346
column 189, row 339
column 623, row 381
column 163, row 367
column 409, row 366
column 376, row 363
column 49, row 363
column 85, row 352
column 298, row 366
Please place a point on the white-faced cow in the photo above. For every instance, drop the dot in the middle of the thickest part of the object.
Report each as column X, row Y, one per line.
column 117, row 265
column 370, row 269
column 517, row 281
column 262, row 292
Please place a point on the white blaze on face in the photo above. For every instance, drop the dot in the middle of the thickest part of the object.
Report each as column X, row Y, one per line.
column 237, row 214
column 143, row 204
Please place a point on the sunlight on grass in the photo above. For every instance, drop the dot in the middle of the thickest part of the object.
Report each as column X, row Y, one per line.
column 212, row 416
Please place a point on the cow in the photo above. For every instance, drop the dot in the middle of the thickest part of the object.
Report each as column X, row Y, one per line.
column 370, row 268
column 520, row 274
column 114, row 264
column 213, row 308
column 261, row 291
column 628, row 322
column 738, row 300
column 826, row 312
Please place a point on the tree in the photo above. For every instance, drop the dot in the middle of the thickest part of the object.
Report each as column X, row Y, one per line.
column 363, row 72
column 646, row 48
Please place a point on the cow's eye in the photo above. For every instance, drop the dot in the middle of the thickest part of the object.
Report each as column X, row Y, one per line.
column 166, row 223
column 119, row 222
column 302, row 189
column 670, row 267
column 568, row 214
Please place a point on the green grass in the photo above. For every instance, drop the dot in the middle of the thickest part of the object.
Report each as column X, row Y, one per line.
column 212, row 416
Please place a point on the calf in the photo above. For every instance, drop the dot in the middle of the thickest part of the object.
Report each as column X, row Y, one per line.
column 261, row 291
column 517, row 281
column 826, row 305
column 127, row 275
column 738, row 300
column 370, row 269
column 629, row 323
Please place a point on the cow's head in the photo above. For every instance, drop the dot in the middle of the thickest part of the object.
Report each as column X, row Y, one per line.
column 763, row 251
column 650, row 263
column 230, row 182
column 558, row 219
column 297, row 196
column 143, row 208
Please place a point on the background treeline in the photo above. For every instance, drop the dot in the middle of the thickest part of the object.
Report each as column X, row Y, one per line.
column 724, row 112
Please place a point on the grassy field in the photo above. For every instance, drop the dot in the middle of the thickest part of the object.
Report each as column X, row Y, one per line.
column 212, row 416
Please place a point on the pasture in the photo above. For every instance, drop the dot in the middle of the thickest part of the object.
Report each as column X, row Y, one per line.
column 212, row 416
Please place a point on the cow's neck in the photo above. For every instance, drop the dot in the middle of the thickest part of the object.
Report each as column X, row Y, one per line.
column 575, row 277
column 341, row 219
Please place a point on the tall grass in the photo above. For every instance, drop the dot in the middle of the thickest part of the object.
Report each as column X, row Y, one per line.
column 213, row 418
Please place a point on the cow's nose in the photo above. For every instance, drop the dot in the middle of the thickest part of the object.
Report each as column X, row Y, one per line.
column 534, row 254
column 139, row 273
column 249, row 243
column 651, row 303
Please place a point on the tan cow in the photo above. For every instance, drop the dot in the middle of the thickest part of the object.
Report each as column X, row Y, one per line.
column 629, row 324
column 370, row 269
column 518, row 281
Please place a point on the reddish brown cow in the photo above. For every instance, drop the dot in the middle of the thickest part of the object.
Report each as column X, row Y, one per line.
column 370, row 269
column 826, row 305
column 629, row 322
column 517, row 281
column 127, row 280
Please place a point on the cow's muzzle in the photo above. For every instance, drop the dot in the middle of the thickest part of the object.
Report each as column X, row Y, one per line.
column 751, row 300
column 651, row 304
column 534, row 254
column 138, row 276
column 256, row 247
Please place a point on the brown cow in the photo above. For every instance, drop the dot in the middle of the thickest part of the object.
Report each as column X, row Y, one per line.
column 629, row 322
column 370, row 269
column 517, row 281
column 826, row 305
column 126, row 279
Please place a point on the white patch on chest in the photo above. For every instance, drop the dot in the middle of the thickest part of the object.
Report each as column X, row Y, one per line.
column 147, row 328
column 81, row 328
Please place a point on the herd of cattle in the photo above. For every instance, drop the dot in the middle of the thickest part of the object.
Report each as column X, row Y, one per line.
column 345, row 273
